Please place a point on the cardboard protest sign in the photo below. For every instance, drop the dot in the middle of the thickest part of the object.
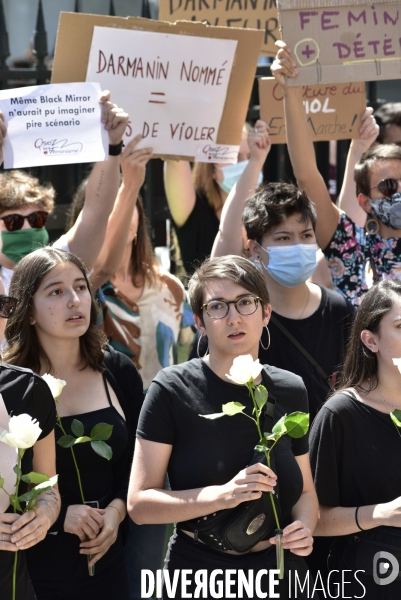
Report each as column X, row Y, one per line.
column 247, row 14
column 53, row 125
column 333, row 111
column 72, row 59
column 175, row 102
column 347, row 40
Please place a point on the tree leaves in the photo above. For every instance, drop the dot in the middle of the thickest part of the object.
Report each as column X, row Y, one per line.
column 66, row 441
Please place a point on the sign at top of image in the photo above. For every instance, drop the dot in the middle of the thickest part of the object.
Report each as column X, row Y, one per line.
column 245, row 14
column 337, row 41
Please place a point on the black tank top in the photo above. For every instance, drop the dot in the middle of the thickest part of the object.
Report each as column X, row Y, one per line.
column 97, row 473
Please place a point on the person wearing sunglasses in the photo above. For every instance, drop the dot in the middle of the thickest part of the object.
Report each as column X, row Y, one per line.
column 25, row 204
column 346, row 245
column 208, row 461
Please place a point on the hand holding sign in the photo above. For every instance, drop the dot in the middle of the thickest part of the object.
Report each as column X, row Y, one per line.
column 133, row 163
column 114, row 118
column 283, row 65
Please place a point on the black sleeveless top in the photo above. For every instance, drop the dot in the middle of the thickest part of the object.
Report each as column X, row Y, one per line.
column 101, row 479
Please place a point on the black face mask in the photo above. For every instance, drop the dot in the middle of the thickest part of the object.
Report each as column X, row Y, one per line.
column 388, row 210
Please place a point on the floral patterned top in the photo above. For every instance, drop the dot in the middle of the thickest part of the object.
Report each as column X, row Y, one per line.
column 348, row 252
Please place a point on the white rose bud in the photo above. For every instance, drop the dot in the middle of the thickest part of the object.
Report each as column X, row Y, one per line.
column 23, row 432
column 397, row 362
column 244, row 369
column 55, row 385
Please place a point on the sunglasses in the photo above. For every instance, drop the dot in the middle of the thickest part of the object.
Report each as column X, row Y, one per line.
column 387, row 187
column 8, row 304
column 37, row 220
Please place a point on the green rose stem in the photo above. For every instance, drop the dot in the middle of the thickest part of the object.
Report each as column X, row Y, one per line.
column 74, row 459
column 81, row 491
column 279, row 549
column 18, row 470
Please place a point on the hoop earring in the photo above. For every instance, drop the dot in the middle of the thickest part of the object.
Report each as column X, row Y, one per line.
column 197, row 348
column 268, row 343
column 372, row 225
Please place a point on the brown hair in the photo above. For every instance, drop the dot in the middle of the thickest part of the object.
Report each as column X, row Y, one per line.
column 143, row 261
column 367, row 160
column 19, row 189
column 77, row 204
column 24, row 348
column 232, row 267
column 360, row 363
column 272, row 205
column 207, row 186
column 387, row 115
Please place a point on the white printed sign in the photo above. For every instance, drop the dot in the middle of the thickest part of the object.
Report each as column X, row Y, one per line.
column 217, row 153
column 172, row 86
column 53, row 125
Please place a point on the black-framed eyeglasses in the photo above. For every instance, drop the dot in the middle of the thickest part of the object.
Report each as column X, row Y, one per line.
column 36, row 219
column 218, row 309
column 387, row 187
column 8, row 304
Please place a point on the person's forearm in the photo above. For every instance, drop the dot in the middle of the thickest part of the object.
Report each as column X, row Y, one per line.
column 340, row 520
column 87, row 236
column 306, row 509
column 299, row 140
column 117, row 504
column 348, row 200
column 229, row 236
column 115, row 240
column 158, row 506
column 49, row 502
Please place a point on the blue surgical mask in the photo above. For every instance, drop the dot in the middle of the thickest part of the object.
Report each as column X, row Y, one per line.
column 291, row 265
column 232, row 173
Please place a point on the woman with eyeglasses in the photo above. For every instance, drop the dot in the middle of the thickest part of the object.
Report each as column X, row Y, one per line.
column 207, row 460
column 54, row 330
column 346, row 245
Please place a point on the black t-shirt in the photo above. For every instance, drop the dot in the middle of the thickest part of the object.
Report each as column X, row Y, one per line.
column 323, row 335
column 23, row 392
column 211, row 452
column 350, row 442
column 196, row 236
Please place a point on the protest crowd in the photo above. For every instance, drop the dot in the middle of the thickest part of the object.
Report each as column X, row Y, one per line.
column 162, row 400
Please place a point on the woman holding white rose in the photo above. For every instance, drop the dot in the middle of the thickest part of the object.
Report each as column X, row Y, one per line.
column 53, row 330
column 206, row 459
column 24, row 393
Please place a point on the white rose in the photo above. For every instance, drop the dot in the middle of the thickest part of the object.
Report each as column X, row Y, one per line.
column 397, row 362
column 244, row 369
column 55, row 385
column 23, row 431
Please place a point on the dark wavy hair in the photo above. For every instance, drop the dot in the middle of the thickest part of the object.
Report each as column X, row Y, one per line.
column 23, row 346
column 273, row 204
column 360, row 363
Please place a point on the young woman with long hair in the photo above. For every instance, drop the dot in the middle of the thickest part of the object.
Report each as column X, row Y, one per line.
column 354, row 450
column 54, row 330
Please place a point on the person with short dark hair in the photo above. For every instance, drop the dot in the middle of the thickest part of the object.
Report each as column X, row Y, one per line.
column 208, row 461
column 346, row 245
column 355, row 446
column 388, row 118
column 280, row 225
